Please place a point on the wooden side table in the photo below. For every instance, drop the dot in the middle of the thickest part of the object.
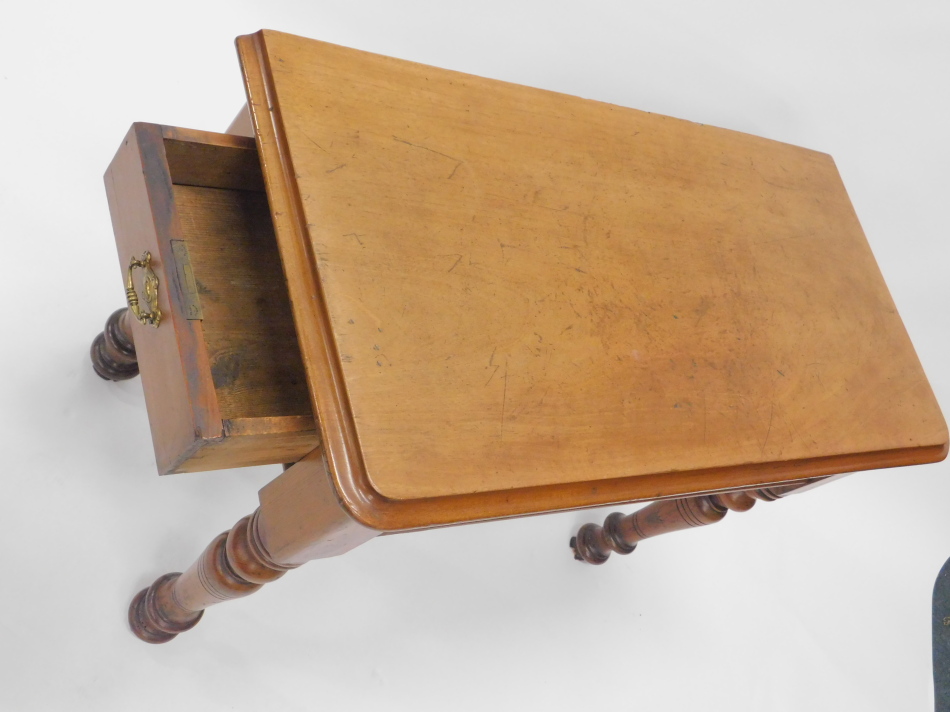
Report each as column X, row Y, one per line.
column 447, row 299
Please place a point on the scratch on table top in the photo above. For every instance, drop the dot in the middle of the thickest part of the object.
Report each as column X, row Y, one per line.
column 458, row 161
column 317, row 145
column 769, row 431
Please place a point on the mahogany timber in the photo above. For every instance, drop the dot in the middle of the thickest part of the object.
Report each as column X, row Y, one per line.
column 112, row 351
column 462, row 365
column 511, row 301
column 139, row 201
column 299, row 519
column 620, row 533
column 302, row 515
column 228, row 390
column 234, row 565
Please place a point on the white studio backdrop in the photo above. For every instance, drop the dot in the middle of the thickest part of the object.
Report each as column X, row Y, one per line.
column 818, row 602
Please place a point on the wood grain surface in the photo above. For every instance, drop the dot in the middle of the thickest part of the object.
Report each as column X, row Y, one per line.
column 228, row 389
column 248, row 328
column 507, row 293
column 182, row 409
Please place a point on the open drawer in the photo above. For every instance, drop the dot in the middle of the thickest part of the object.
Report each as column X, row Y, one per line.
column 222, row 373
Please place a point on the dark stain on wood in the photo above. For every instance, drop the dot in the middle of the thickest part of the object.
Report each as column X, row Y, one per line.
column 225, row 370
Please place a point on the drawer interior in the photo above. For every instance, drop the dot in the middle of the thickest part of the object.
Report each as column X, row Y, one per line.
column 245, row 313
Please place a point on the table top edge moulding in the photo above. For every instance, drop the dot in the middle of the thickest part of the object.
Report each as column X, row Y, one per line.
column 721, row 386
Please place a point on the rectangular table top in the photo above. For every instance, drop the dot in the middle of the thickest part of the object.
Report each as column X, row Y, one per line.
column 499, row 288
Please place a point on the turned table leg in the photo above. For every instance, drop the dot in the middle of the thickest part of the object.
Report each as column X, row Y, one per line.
column 620, row 533
column 300, row 519
column 113, row 352
column 234, row 565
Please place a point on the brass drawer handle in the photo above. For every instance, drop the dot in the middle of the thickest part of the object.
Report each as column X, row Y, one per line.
column 153, row 315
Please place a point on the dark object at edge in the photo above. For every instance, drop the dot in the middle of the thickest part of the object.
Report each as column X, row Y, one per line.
column 941, row 640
